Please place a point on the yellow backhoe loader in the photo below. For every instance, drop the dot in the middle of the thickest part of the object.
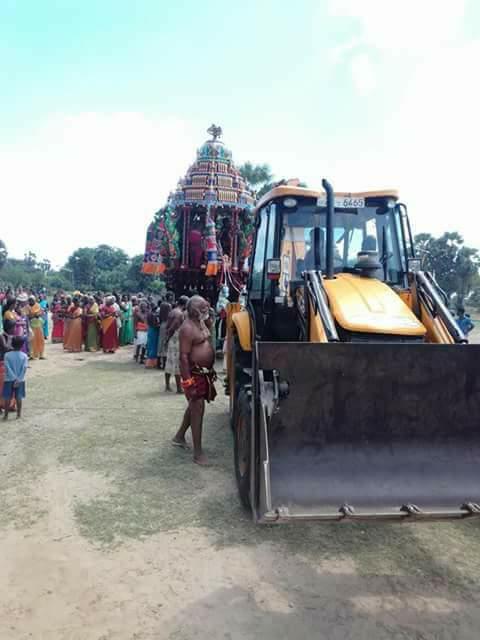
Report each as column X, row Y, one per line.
column 353, row 392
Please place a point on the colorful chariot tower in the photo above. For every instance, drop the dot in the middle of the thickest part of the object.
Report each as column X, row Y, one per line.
column 202, row 238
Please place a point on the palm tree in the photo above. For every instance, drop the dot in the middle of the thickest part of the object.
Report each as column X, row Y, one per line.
column 259, row 178
column 256, row 175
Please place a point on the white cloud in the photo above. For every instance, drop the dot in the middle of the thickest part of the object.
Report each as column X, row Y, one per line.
column 363, row 73
column 436, row 136
column 90, row 178
column 427, row 145
column 389, row 33
column 409, row 26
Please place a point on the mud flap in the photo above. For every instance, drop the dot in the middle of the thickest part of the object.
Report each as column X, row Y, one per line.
column 367, row 430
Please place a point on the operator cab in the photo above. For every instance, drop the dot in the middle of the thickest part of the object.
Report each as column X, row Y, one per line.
column 361, row 234
column 370, row 239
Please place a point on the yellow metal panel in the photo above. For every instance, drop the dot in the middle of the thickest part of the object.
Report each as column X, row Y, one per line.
column 407, row 298
column 241, row 322
column 232, row 309
column 436, row 330
column 317, row 332
column 367, row 305
column 299, row 192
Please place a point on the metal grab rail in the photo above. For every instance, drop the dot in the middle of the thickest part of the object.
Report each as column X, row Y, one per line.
column 427, row 289
column 313, row 280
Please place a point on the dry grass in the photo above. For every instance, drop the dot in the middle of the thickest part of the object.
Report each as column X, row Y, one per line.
column 109, row 417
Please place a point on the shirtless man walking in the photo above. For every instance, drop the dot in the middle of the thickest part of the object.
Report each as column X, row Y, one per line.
column 198, row 376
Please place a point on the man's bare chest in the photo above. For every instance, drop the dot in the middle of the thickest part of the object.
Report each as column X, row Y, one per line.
column 200, row 336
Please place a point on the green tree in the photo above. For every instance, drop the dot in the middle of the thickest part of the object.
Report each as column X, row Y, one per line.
column 14, row 273
column 30, row 260
column 59, row 280
column 474, row 298
column 454, row 265
column 257, row 176
column 45, row 265
column 101, row 267
column 109, row 258
column 81, row 265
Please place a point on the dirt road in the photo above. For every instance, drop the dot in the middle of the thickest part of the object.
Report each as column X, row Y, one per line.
column 108, row 532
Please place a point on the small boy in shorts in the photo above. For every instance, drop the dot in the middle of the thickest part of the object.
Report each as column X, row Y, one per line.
column 16, row 363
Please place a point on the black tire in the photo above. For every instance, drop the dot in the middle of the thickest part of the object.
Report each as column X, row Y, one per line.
column 239, row 359
column 242, row 433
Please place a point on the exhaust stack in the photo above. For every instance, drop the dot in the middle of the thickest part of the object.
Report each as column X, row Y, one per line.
column 329, row 239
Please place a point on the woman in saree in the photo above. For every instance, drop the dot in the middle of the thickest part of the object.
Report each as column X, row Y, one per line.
column 21, row 323
column 73, row 342
column 152, row 338
column 37, row 343
column 43, row 302
column 108, row 317
column 57, row 320
column 127, row 335
column 67, row 306
column 91, row 319
column 9, row 316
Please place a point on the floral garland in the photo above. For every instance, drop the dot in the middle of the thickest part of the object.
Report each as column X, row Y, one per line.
column 245, row 232
column 167, row 234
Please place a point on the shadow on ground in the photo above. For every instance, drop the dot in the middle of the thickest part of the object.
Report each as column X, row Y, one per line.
column 332, row 606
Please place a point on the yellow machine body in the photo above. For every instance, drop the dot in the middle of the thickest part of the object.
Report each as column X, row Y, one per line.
column 353, row 395
column 368, row 305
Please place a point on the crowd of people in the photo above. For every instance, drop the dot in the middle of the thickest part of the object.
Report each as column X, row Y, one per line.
column 177, row 337
column 26, row 316
column 23, row 330
column 93, row 322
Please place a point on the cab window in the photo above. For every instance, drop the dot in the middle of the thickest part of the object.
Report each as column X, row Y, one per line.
column 259, row 257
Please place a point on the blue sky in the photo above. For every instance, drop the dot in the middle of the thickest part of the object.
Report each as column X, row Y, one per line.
column 104, row 104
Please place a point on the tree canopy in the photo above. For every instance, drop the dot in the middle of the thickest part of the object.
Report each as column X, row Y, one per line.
column 454, row 265
column 102, row 268
column 259, row 178
column 96, row 268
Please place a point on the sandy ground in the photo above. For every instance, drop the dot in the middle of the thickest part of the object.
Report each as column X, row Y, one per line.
column 107, row 532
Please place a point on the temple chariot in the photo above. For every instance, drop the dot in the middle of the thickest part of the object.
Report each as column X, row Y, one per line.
column 201, row 240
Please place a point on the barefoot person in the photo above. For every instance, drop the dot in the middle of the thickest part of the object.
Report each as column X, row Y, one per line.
column 37, row 321
column 16, row 363
column 163, row 313
column 141, row 331
column 174, row 322
column 198, row 376
column 5, row 347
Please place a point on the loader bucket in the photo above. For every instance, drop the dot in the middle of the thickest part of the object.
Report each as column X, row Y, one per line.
column 386, row 431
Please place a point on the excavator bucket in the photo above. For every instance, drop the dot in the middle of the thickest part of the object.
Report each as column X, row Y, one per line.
column 366, row 430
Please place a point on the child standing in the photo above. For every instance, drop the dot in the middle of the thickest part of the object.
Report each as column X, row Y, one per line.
column 16, row 363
